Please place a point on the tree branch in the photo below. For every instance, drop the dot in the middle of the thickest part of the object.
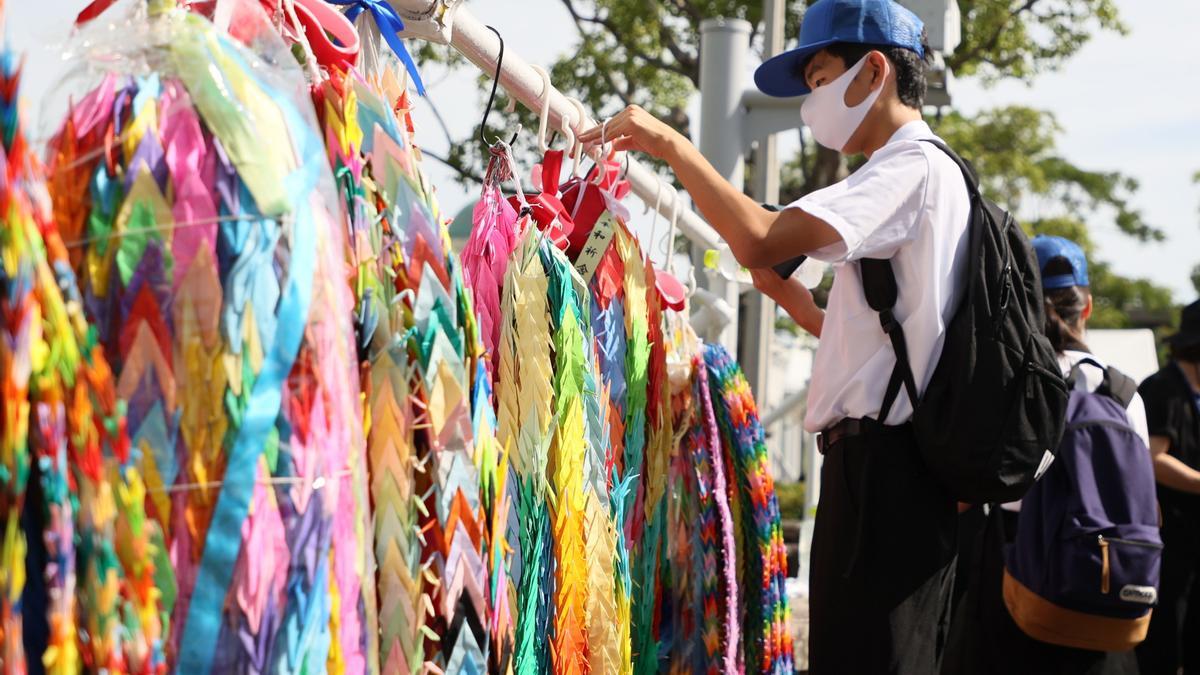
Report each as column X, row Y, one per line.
column 684, row 65
column 462, row 172
column 688, row 63
column 961, row 58
column 690, row 9
column 622, row 93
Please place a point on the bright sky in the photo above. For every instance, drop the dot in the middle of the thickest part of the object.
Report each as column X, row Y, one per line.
column 1121, row 102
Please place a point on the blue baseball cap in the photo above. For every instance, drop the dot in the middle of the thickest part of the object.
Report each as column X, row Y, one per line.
column 1049, row 248
column 867, row 22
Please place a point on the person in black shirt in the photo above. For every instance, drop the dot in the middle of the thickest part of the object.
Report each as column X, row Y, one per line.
column 1172, row 398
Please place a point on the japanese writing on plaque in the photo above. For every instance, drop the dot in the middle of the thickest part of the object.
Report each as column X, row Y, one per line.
column 593, row 250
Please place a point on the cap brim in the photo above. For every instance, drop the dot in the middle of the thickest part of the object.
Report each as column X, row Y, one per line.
column 780, row 76
column 1059, row 282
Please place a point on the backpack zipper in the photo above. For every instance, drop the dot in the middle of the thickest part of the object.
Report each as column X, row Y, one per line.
column 1130, row 542
column 1006, row 291
column 1104, row 562
column 1103, row 565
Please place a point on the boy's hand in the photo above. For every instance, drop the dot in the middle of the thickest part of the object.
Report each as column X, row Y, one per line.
column 633, row 129
column 789, row 293
column 792, row 296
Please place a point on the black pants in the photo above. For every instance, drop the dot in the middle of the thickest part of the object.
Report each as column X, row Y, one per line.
column 882, row 559
column 1174, row 638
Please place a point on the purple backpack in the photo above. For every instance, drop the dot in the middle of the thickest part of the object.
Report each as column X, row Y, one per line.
column 1083, row 569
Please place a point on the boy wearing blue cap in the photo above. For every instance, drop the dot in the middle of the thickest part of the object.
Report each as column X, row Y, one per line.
column 884, row 542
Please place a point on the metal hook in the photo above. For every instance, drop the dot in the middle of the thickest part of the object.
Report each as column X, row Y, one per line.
column 544, row 116
column 487, row 111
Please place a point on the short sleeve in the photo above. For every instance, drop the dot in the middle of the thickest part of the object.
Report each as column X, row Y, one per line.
column 876, row 209
column 1136, row 412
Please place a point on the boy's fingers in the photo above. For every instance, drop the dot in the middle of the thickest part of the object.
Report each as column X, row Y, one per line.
column 613, row 129
column 625, row 143
column 594, row 133
column 620, row 125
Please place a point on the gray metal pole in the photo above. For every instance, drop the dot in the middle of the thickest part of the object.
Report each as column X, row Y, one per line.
column 757, row 324
column 724, row 47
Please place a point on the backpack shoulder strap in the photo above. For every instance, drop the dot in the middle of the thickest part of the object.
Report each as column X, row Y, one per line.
column 1078, row 366
column 1119, row 386
column 967, row 170
column 879, row 286
column 1116, row 385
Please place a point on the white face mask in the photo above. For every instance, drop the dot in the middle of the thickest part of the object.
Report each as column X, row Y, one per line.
column 825, row 111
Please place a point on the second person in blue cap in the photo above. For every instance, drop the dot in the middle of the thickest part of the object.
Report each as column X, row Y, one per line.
column 1003, row 549
column 883, row 548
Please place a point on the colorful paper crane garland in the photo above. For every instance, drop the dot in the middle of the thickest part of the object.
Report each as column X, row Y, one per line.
column 200, row 207
column 764, row 613
column 546, row 524
column 39, row 363
column 85, row 531
column 429, row 437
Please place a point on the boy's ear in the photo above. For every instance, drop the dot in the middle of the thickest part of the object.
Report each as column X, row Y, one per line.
column 879, row 67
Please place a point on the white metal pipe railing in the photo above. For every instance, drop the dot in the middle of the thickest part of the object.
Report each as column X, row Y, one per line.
column 790, row 405
column 430, row 19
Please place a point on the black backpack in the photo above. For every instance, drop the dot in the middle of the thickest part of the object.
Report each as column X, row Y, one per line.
column 997, row 401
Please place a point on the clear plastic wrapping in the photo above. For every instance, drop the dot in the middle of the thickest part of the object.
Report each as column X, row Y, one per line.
column 193, row 192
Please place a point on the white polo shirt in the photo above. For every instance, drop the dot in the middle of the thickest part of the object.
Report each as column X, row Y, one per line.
column 910, row 203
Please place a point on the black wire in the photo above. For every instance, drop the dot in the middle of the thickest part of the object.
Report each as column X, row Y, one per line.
column 487, row 112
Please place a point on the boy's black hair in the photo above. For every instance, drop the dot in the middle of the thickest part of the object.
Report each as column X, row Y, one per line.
column 911, row 85
column 1064, row 309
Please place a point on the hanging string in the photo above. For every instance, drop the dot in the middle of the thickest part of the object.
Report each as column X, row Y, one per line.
column 284, row 219
column 317, row 483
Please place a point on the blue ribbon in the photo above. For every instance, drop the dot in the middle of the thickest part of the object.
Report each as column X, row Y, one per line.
column 389, row 24
column 201, row 631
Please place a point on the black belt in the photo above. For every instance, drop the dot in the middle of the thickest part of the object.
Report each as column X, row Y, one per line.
column 851, row 427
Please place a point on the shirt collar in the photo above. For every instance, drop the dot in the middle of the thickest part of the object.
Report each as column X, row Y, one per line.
column 911, row 131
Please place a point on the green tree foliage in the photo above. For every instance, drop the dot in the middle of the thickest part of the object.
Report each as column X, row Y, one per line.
column 1020, row 39
column 1013, row 149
